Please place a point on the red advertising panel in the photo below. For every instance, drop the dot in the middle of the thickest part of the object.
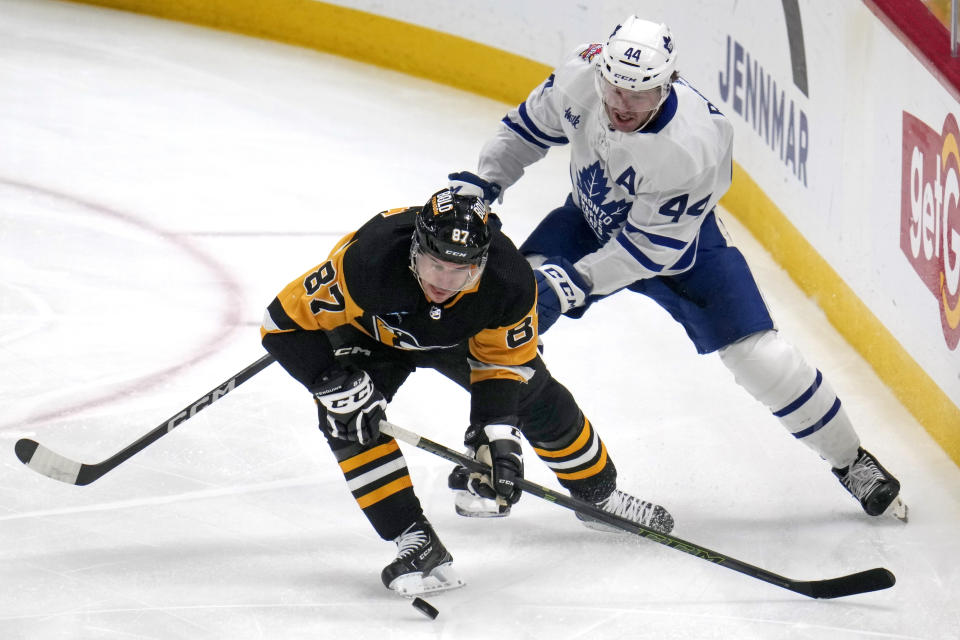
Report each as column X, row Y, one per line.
column 930, row 213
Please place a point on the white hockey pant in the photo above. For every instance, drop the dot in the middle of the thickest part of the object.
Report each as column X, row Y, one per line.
column 775, row 373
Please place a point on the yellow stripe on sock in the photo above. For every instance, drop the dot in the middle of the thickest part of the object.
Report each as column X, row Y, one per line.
column 578, row 444
column 384, row 492
column 367, row 456
column 589, row 471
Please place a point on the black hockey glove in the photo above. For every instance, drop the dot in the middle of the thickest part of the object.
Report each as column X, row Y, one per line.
column 350, row 406
column 560, row 288
column 470, row 184
column 497, row 445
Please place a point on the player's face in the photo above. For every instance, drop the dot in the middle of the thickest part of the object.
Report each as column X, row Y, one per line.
column 441, row 280
column 629, row 110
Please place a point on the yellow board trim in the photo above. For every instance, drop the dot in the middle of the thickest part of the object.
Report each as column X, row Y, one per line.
column 366, row 37
column 503, row 76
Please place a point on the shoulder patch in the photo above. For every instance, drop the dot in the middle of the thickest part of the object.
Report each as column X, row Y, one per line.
column 591, row 52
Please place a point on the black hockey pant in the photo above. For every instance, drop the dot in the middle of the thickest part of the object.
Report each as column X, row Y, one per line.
column 550, row 420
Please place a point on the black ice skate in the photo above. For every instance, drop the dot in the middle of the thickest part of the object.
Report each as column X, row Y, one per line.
column 626, row 506
column 422, row 565
column 871, row 484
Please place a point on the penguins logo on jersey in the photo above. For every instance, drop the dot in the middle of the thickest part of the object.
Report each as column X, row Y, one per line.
column 398, row 338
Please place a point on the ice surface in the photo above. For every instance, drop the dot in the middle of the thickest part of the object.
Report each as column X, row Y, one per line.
column 159, row 183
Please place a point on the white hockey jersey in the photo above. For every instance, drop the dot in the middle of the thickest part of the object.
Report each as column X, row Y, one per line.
column 644, row 194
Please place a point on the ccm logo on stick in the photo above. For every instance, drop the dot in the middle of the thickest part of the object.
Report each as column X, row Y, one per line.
column 208, row 399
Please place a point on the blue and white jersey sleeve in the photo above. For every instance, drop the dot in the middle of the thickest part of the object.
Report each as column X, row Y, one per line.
column 525, row 134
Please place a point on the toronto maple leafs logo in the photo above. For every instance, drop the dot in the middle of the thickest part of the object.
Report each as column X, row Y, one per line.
column 603, row 217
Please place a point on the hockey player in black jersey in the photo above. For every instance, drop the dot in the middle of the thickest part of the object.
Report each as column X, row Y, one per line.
column 436, row 286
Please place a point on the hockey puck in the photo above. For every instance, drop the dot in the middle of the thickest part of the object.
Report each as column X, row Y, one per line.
column 425, row 608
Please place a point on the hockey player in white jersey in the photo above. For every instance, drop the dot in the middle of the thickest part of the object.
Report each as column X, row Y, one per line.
column 650, row 157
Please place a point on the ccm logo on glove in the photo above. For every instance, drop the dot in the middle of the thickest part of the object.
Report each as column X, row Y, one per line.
column 560, row 288
column 350, row 406
column 572, row 296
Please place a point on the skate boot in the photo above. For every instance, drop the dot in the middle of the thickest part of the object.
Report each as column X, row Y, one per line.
column 626, row 506
column 871, row 484
column 470, row 505
column 422, row 565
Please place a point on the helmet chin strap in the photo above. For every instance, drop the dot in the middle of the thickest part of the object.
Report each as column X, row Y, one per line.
column 606, row 117
column 653, row 114
column 664, row 94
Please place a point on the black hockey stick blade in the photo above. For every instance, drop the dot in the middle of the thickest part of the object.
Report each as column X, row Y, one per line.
column 53, row 465
column 862, row 582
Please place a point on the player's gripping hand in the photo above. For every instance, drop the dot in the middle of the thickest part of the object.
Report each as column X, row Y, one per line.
column 350, row 406
column 559, row 288
column 470, row 184
column 497, row 445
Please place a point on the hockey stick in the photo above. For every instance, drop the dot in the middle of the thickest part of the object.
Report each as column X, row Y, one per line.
column 861, row 582
column 53, row 465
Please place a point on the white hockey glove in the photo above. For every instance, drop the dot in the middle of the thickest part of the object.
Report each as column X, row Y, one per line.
column 350, row 407
column 560, row 288
column 497, row 445
column 470, row 184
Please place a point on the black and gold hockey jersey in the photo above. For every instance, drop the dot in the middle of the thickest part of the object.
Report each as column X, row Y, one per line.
column 366, row 283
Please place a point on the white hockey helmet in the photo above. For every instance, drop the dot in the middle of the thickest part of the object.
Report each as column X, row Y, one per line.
column 639, row 55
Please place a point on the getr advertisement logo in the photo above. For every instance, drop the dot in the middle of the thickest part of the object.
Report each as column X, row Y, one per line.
column 930, row 213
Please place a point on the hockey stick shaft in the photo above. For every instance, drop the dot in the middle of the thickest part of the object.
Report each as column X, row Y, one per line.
column 53, row 465
column 861, row 582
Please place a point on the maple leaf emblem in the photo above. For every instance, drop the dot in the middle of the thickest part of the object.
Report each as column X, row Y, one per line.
column 604, row 217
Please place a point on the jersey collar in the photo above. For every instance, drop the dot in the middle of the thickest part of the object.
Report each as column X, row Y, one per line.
column 667, row 112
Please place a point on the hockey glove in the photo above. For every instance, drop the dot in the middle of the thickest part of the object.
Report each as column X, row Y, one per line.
column 470, row 184
column 350, row 406
column 497, row 445
column 560, row 288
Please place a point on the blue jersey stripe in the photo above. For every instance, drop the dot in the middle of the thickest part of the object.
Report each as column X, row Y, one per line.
column 687, row 258
column 520, row 131
column 666, row 114
column 662, row 241
column 535, row 130
column 638, row 255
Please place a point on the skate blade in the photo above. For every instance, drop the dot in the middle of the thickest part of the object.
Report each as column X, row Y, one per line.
column 897, row 509
column 470, row 506
column 596, row 525
column 470, row 513
column 443, row 578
